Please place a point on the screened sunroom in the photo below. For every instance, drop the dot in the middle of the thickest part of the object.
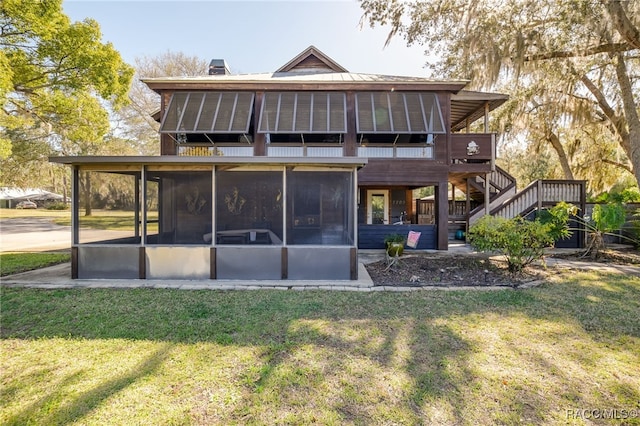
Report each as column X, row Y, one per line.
column 172, row 217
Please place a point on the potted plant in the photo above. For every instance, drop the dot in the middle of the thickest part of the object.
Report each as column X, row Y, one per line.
column 394, row 244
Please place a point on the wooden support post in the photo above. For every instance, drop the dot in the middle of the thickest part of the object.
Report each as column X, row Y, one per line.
column 259, row 139
column 142, row 263
column 212, row 262
column 487, row 194
column 284, row 263
column 467, row 206
column 74, row 263
column 442, row 215
column 354, row 263
column 351, row 138
column 540, row 195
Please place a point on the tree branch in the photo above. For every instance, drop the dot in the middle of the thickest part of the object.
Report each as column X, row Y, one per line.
column 553, row 139
column 621, row 21
column 615, row 120
column 603, row 48
column 619, row 165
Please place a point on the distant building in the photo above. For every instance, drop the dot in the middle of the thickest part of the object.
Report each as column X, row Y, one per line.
column 10, row 197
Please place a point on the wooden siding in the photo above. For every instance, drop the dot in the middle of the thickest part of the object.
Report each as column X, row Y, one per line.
column 460, row 141
column 310, row 62
column 405, row 172
column 372, row 236
column 443, row 146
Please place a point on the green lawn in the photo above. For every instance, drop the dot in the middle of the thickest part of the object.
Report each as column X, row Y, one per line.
column 145, row 356
column 19, row 213
column 113, row 220
column 12, row 263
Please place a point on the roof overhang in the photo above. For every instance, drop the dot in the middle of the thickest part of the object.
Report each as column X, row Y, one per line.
column 193, row 161
column 468, row 106
column 304, row 81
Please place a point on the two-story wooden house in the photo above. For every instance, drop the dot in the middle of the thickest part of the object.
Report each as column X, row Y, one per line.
column 284, row 175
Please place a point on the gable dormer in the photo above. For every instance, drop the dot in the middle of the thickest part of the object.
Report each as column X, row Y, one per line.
column 311, row 59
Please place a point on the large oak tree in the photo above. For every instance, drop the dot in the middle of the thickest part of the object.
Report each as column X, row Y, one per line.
column 57, row 78
column 572, row 68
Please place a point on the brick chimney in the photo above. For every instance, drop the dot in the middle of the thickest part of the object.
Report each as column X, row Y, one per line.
column 219, row 67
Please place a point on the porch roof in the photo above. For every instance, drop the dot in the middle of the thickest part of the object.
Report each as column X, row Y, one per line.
column 468, row 105
column 303, row 80
column 213, row 160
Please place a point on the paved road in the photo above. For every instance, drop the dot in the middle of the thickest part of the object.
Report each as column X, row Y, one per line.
column 33, row 234
column 42, row 234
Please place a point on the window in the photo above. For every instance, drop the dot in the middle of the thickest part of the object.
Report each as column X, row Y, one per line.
column 398, row 113
column 208, row 112
column 303, row 112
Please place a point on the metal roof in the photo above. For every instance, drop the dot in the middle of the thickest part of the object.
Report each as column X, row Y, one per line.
column 302, row 77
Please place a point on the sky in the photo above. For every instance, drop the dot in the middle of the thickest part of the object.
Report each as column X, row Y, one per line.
column 252, row 36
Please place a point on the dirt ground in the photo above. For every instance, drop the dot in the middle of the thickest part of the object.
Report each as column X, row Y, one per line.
column 474, row 269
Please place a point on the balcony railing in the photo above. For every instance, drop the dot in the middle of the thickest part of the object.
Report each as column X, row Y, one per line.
column 396, row 151
column 212, row 151
column 290, row 150
column 304, row 151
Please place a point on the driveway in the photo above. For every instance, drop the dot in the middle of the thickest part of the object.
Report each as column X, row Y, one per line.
column 33, row 234
column 42, row 234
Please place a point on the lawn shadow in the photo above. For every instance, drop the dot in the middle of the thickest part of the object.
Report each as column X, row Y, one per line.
column 61, row 409
column 371, row 357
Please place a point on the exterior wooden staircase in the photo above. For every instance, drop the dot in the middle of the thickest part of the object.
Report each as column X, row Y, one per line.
column 506, row 201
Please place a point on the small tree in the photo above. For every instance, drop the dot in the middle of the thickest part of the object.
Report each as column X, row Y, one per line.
column 520, row 241
column 605, row 219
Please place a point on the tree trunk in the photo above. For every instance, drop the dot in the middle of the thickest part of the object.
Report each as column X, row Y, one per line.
column 64, row 189
column 86, row 188
column 631, row 115
column 562, row 155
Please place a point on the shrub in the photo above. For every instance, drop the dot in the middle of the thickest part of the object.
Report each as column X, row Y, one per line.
column 557, row 219
column 395, row 250
column 58, row 206
column 520, row 241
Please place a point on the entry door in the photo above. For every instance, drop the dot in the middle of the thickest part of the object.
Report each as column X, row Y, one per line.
column 377, row 207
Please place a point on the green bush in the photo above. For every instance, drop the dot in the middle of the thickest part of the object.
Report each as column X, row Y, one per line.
column 58, row 206
column 557, row 219
column 394, row 244
column 520, row 241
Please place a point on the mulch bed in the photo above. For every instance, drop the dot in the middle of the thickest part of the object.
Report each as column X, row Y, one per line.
column 473, row 269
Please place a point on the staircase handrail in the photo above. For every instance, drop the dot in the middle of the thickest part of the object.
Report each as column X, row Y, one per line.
column 533, row 186
column 542, row 187
column 511, row 183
